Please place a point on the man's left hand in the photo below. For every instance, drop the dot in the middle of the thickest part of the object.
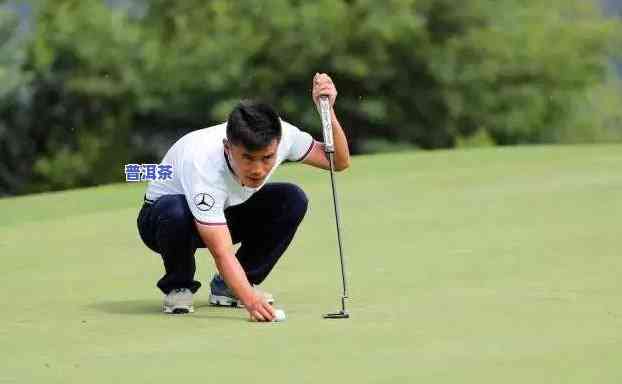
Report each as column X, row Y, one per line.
column 323, row 86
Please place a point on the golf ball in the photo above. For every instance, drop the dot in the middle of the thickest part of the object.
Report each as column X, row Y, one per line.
column 280, row 315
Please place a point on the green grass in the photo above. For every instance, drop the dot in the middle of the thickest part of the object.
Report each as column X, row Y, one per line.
column 473, row 266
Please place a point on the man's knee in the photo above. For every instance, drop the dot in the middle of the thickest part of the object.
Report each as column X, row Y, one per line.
column 297, row 202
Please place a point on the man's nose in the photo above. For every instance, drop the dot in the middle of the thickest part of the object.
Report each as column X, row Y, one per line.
column 257, row 169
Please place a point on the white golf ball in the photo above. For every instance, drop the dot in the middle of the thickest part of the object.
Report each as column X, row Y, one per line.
column 280, row 315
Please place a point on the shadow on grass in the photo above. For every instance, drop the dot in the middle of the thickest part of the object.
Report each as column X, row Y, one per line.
column 154, row 307
column 129, row 307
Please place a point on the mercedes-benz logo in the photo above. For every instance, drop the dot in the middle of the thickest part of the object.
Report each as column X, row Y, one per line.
column 203, row 201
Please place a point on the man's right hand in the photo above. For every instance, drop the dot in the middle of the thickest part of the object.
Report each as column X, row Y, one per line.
column 259, row 309
column 218, row 241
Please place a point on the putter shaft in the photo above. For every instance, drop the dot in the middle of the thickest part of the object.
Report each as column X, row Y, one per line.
column 338, row 223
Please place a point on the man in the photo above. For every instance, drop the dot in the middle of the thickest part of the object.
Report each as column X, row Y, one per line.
column 219, row 196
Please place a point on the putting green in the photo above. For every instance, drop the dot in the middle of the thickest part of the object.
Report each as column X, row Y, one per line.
column 475, row 266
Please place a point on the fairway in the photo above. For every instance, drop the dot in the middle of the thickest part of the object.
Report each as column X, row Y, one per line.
column 495, row 265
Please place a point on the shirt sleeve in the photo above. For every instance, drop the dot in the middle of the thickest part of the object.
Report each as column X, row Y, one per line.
column 299, row 142
column 205, row 199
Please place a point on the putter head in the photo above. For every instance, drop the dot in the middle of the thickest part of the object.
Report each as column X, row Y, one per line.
column 337, row 315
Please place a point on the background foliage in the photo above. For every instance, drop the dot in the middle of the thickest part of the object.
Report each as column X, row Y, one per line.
column 89, row 86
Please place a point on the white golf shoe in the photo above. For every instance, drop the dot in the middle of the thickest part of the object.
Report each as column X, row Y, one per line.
column 178, row 301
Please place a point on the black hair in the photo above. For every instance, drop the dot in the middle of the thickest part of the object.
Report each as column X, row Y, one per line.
column 253, row 124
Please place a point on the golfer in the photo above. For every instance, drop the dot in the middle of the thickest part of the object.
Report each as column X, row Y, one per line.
column 219, row 196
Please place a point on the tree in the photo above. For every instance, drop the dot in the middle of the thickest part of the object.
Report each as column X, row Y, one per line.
column 16, row 148
column 109, row 83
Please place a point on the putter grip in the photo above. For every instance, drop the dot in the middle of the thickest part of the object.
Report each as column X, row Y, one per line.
column 327, row 126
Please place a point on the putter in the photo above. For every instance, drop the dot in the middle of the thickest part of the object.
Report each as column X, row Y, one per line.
column 329, row 148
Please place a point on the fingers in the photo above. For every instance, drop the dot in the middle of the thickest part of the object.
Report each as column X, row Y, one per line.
column 326, row 90
column 320, row 78
column 269, row 311
column 323, row 86
column 264, row 314
column 257, row 316
column 262, row 311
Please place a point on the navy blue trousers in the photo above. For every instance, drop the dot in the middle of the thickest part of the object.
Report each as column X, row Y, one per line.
column 265, row 225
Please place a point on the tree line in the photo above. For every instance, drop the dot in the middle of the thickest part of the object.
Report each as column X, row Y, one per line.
column 91, row 85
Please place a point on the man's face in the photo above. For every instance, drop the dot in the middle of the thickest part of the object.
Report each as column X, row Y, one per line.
column 252, row 167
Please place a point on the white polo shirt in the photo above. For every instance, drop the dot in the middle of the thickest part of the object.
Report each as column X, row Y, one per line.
column 201, row 171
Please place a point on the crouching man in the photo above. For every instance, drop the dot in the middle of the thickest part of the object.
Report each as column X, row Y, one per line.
column 219, row 196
